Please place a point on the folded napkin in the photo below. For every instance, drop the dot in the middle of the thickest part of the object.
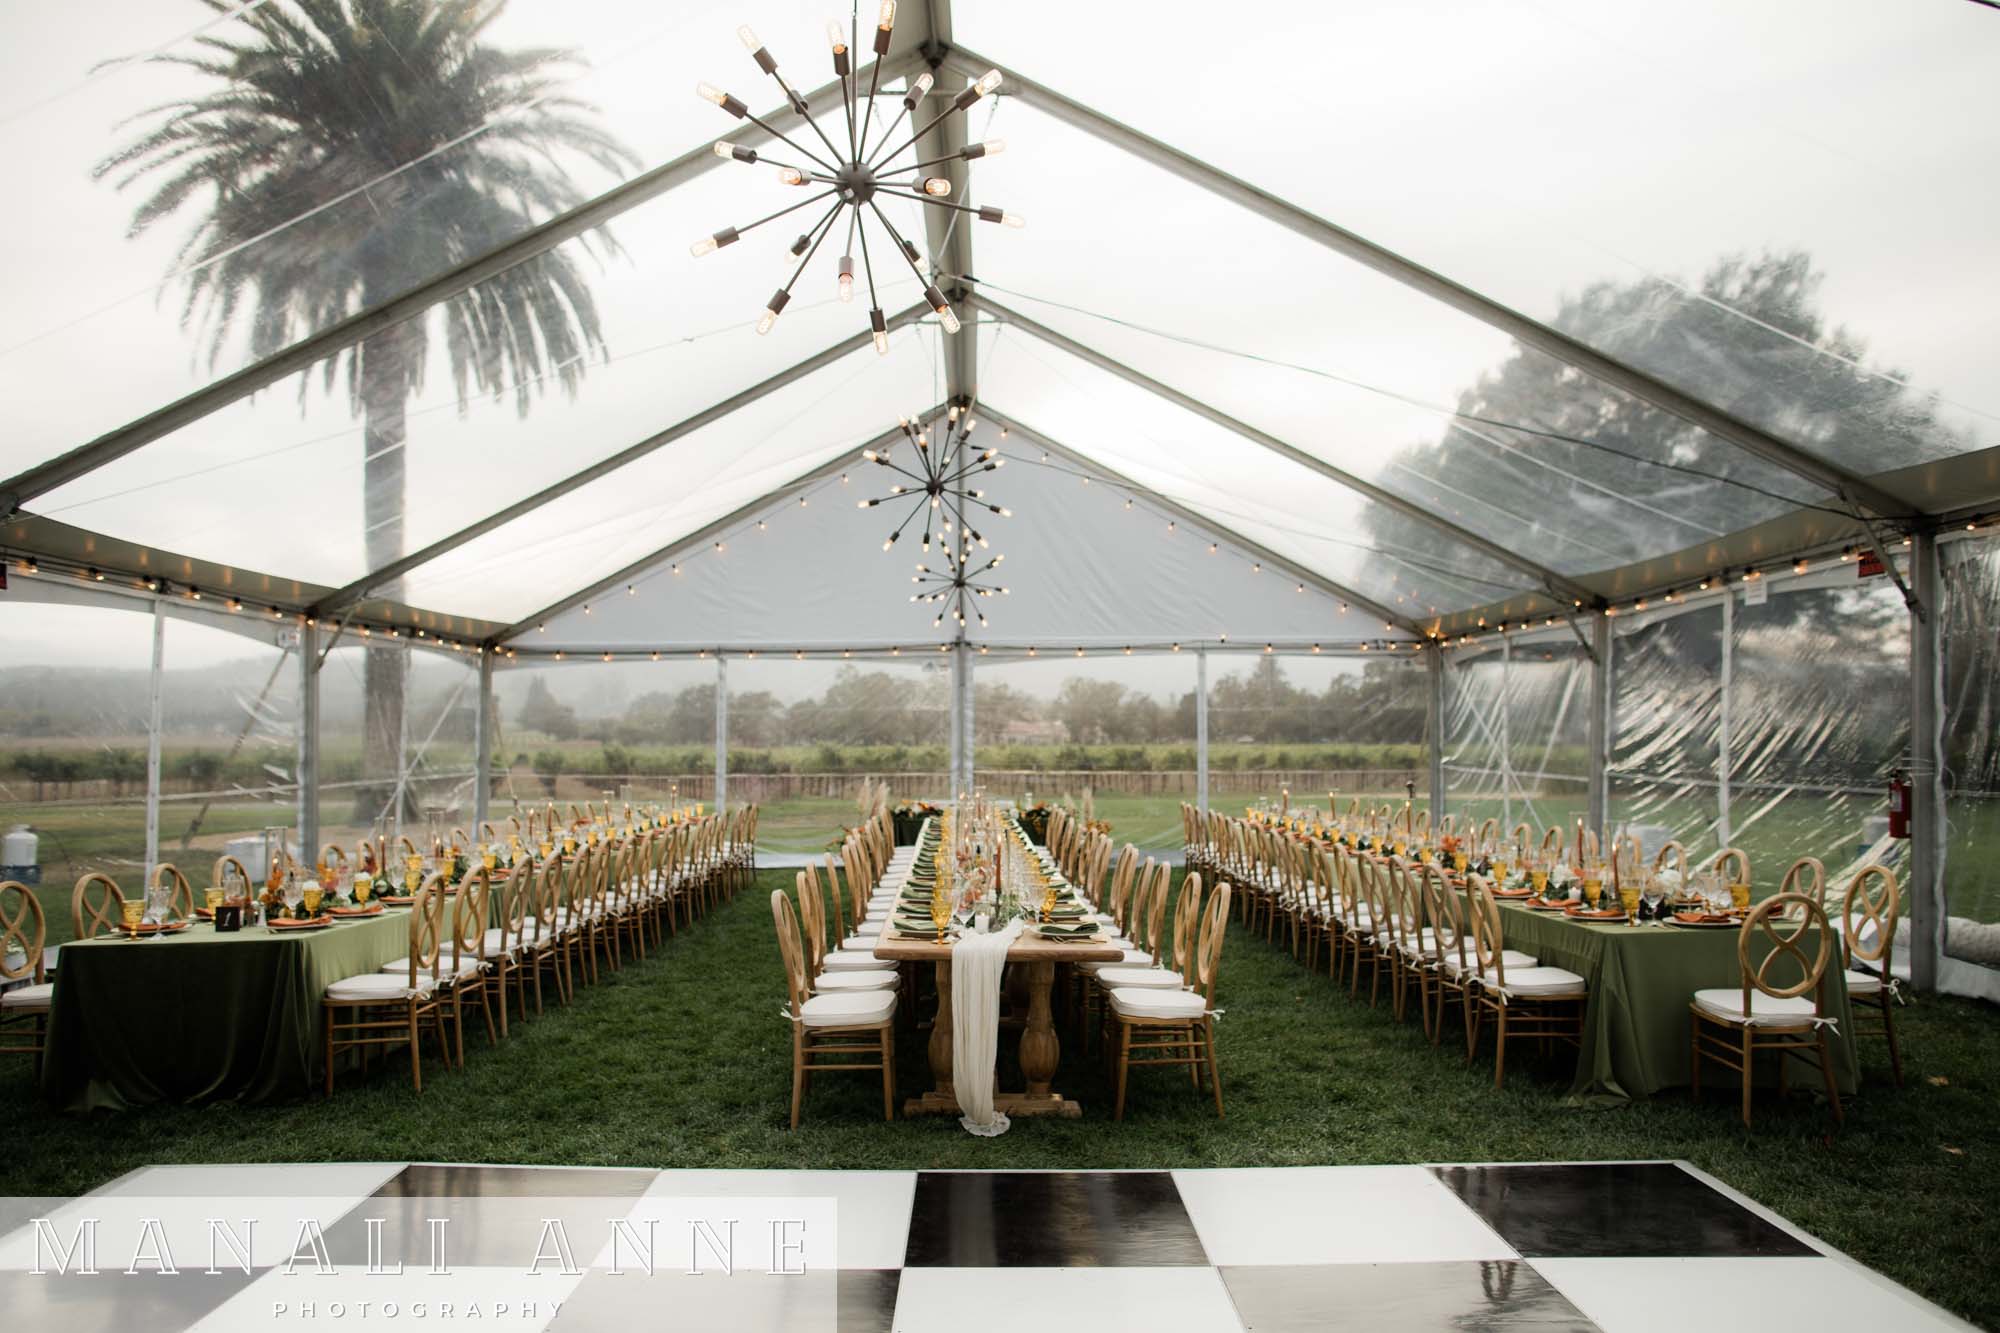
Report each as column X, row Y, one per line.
column 1080, row 928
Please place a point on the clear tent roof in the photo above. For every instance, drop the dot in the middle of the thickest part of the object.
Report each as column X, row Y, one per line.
column 1597, row 171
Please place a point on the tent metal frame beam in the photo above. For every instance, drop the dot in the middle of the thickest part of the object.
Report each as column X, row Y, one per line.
column 947, row 232
column 18, row 490
column 1849, row 486
column 395, row 569
column 1399, row 650
column 1560, row 590
column 1185, row 515
column 842, row 461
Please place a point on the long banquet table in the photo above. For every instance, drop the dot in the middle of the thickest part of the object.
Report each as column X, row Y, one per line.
column 1041, row 1050
column 201, row 1016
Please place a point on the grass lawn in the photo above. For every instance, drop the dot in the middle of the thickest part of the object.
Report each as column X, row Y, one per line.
column 682, row 1061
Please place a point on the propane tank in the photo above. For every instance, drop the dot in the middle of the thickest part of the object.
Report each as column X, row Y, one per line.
column 19, row 858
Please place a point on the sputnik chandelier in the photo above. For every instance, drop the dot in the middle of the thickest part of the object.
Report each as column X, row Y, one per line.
column 857, row 177
column 938, row 491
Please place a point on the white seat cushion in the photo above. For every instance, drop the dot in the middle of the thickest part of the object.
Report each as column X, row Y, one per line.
column 872, row 926
column 1794, row 1011
column 1511, row 959
column 401, row 967
column 375, row 987
column 855, row 946
column 1534, row 983
column 1154, row 1002
column 496, row 941
column 29, row 997
column 854, row 980
column 1115, row 977
column 1863, row 983
column 849, row 1009
column 849, row 962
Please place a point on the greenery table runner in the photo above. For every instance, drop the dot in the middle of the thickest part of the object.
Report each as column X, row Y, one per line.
column 1642, row 979
column 200, row 1016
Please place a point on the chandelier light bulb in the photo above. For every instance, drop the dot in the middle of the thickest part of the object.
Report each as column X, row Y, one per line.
column 880, row 330
column 988, row 82
column 937, row 186
column 846, row 279
column 791, row 176
column 705, row 246
column 836, row 37
column 709, row 92
column 1014, row 220
column 920, row 88
column 887, row 21
column 749, row 39
column 766, row 321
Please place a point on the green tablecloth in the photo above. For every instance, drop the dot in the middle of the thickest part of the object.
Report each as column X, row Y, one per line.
column 199, row 1016
column 1636, row 1027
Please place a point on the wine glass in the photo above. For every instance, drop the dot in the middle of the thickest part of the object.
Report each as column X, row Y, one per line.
column 1538, row 875
column 293, row 894
column 132, row 911
column 312, row 895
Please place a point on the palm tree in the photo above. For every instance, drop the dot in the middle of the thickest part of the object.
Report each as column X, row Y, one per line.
column 348, row 150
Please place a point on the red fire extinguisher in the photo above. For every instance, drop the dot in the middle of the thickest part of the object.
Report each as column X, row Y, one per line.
column 1899, row 804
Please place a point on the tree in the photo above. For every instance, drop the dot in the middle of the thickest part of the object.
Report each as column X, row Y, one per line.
column 1088, row 708
column 542, row 711
column 1752, row 340
column 348, row 150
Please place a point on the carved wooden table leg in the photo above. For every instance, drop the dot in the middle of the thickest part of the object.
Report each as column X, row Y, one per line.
column 1040, row 1053
column 943, row 1096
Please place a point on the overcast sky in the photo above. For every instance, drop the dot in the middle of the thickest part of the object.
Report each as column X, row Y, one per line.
column 1526, row 148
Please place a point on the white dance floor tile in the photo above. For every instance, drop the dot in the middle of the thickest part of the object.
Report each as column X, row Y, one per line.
column 1333, row 1215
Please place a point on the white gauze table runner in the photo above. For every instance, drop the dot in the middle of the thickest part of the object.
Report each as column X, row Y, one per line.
column 976, row 964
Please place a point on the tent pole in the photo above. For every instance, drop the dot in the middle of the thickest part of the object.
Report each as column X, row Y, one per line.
column 153, row 740
column 1506, row 736
column 1434, row 718
column 968, row 697
column 396, row 798
column 1723, row 759
column 482, row 744
column 1599, row 801
column 1926, row 870
column 955, row 710
column 721, row 731
column 1201, row 729
column 308, row 765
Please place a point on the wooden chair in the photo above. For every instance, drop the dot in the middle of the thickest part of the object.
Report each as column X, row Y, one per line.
column 508, row 944
column 1187, row 921
column 166, row 875
column 1732, row 1026
column 1868, row 919
column 1174, row 1026
column 547, row 944
column 96, row 904
column 24, row 1009
column 471, row 976
column 829, row 1031
column 1455, row 955
column 1733, row 864
column 385, row 1009
column 1531, row 1003
column 1806, row 875
column 1679, row 855
column 231, row 876
column 850, row 965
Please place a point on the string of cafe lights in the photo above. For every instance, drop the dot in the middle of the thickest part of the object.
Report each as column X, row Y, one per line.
column 1709, row 588
column 226, row 601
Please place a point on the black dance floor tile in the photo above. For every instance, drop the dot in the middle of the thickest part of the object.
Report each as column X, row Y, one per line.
column 1055, row 1219
column 1624, row 1210
column 1500, row 1296
column 491, row 1214
column 868, row 1299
